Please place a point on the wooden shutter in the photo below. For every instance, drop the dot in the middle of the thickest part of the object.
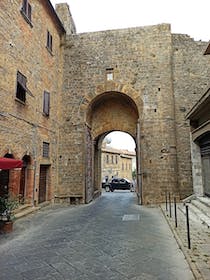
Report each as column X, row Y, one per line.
column 46, row 103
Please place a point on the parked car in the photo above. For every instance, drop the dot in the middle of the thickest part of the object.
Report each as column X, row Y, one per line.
column 118, row 184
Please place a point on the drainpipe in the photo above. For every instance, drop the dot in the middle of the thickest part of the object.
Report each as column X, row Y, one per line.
column 139, row 165
column 35, row 163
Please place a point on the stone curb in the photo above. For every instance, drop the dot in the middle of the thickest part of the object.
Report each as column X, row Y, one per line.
column 196, row 272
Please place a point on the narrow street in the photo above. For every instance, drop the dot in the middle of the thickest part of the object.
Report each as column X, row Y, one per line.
column 110, row 239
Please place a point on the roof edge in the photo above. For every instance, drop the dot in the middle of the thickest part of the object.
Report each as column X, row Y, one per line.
column 198, row 104
column 58, row 21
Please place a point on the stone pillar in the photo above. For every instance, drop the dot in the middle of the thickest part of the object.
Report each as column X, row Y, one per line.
column 14, row 181
column 196, row 169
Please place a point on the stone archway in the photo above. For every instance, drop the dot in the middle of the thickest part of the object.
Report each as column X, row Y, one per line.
column 107, row 112
column 26, row 181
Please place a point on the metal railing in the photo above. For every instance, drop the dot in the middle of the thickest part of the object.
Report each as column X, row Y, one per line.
column 168, row 208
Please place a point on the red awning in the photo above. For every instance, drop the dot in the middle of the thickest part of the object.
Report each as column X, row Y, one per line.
column 9, row 163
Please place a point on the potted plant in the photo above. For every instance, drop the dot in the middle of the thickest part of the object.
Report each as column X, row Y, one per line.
column 7, row 205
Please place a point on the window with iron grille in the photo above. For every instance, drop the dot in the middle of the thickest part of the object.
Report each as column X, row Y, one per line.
column 46, row 103
column 49, row 41
column 46, row 149
column 26, row 10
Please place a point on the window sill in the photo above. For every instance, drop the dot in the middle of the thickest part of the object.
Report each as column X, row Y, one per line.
column 45, row 115
column 26, row 18
column 49, row 50
column 20, row 101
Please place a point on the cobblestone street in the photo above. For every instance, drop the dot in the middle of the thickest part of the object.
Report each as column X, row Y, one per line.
column 112, row 238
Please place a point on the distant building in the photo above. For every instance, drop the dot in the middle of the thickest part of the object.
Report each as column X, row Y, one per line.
column 117, row 163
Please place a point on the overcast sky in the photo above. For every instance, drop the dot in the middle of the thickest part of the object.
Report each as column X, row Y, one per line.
column 185, row 16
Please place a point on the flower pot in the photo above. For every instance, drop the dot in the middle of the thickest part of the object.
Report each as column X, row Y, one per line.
column 6, row 226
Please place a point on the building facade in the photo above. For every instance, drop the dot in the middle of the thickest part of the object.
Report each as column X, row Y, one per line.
column 62, row 93
column 199, row 117
column 31, row 59
column 117, row 163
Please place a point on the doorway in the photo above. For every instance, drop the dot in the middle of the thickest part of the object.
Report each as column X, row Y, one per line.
column 205, row 157
column 111, row 111
column 43, row 181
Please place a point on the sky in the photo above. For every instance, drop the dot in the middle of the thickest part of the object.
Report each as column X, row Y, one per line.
column 121, row 140
column 185, row 16
column 189, row 17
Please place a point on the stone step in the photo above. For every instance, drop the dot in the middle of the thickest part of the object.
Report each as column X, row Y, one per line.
column 192, row 214
column 25, row 211
column 202, row 206
column 195, row 214
column 205, row 200
column 21, row 208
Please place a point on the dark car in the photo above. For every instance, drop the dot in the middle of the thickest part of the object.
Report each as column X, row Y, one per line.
column 118, row 184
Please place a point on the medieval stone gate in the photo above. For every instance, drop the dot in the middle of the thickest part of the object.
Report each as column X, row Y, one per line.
column 138, row 80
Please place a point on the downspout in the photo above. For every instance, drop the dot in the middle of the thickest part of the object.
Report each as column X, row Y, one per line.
column 139, row 174
column 35, row 163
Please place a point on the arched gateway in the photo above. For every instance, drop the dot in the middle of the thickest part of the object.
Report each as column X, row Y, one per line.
column 108, row 111
column 114, row 106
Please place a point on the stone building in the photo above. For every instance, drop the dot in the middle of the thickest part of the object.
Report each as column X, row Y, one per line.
column 31, row 59
column 116, row 163
column 138, row 80
column 199, row 117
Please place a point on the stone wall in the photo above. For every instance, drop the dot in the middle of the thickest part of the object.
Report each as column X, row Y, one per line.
column 166, row 72
column 191, row 70
column 141, row 60
column 23, row 126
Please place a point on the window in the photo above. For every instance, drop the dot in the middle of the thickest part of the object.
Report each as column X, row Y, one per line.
column 109, row 74
column 46, row 103
column 26, row 11
column 46, row 149
column 49, row 41
column 107, row 158
column 116, row 160
column 22, row 87
column 112, row 159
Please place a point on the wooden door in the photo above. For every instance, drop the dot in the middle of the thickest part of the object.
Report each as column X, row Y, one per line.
column 43, row 183
column 206, row 174
column 4, row 182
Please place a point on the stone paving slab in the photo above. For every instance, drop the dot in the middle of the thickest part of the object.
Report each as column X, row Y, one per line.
column 92, row 242
column 199, row 255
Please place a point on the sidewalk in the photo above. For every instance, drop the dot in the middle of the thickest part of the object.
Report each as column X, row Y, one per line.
column 198, row 256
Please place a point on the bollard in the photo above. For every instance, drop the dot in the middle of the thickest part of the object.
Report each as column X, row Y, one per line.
column 175, row 212
column 188, row 227
column 166, row 202
column 169, row 198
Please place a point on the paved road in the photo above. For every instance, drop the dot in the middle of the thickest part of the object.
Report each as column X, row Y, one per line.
column 109, row 239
